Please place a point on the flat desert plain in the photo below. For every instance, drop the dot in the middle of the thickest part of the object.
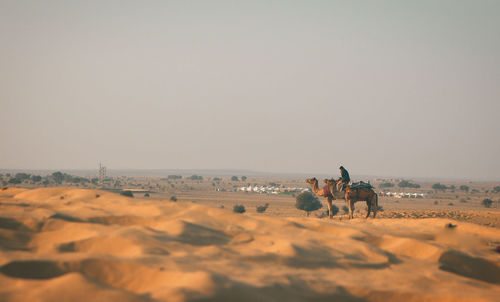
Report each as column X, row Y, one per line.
column 71, row 244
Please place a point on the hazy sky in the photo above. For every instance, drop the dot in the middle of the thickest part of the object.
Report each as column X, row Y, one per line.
column 395, row 88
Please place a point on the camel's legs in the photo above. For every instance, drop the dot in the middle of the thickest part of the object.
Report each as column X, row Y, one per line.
column 330, row 213
column 351, row 208
column 369, row 205
column 374, row 205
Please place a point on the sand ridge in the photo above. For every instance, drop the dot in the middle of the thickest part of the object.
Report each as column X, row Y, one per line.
column 69, row 244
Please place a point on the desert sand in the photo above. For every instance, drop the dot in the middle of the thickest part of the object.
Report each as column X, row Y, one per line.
column 65, row 244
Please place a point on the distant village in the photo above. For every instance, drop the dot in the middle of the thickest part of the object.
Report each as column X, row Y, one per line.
column 272, row 190
column 403, row 195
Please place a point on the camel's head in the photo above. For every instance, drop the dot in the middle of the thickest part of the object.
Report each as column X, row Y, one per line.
column 311, row 180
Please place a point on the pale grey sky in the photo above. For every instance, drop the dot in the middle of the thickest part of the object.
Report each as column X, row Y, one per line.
column 395, row 88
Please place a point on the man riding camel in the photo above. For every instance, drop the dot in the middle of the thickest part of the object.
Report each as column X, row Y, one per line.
column 344, row 178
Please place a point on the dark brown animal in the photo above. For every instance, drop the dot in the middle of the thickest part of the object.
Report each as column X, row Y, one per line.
column 351, row 196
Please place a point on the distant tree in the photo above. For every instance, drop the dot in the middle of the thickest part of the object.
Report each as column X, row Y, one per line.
column 487, row 202
column 127, row 193
column 308, row 202
column 496, row 189
column 14, row 181
column 465, row 188
column 262, row 209
column 386, row 185
column 217, row 179
column 243, row 178
column 196, row 177
column 36, row 178
column 407, row 184
column 173, row 198
column 234, row 178
column 22, row 176
column 239, row 208
column 439, row 186
column 174, row 177
column 58, row 177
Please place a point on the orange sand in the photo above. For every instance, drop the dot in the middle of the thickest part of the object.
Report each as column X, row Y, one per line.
column 112, row 248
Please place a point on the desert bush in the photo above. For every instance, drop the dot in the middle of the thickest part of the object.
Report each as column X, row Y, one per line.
column 36, row 178
column 464, row 188
column 196, row 177
column 97, row 196
column 407, row 184
column 386, row 185
column 451, row 204
column 243, row 178
column 335, row 210
column 487, row 202
column 22, row 176
column 239, row 208
column 380, row 209
column 146, row 195
column 463, row 200
column 496, row 189
column 438, row 186
column 173, row 198
column 127, row 193
column 345, row 209
column 308, row 202
column 234, row 178
column 436, row 202
column 262, row 209
column 14, row 181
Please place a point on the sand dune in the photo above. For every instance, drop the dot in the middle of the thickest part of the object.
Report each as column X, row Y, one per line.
column 61, row 244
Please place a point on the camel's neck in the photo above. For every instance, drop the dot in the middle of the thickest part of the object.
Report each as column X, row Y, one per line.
column 315, row 187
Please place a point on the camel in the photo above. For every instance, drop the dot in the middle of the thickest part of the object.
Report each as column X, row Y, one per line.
column 353, row 195
column 325, row 192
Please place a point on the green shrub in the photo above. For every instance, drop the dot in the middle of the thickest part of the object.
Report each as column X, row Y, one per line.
column 487, row 202
column 239, row 208
column 127, row 193
column 407, row 184
column 386, row 185
column 262, row 209
column 146, row 195
column 439, row 186
column 173, row 198
column 345, row 209
column 307, row 201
